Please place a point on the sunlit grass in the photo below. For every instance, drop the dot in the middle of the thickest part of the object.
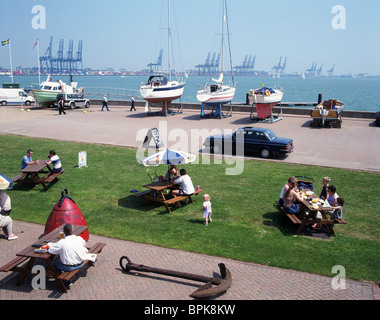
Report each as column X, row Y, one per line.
column 247, row 226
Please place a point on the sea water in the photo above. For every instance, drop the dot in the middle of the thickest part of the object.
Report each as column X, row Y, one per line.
column 358, row 94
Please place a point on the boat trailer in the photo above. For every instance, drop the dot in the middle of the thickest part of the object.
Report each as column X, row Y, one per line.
column 206, row 291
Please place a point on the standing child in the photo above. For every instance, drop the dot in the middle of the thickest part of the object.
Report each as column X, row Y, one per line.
column 207, row 209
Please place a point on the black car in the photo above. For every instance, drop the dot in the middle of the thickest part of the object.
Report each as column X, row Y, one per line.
column 261, row 140
column 377, row 122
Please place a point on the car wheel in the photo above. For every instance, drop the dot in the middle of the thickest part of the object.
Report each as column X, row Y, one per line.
column 87, row 105
column 72, row 105
column 265, row 153
column 27, row 103
column 3, row 103
column 217, row 148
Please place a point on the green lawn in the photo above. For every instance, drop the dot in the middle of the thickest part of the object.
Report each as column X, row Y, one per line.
column 246, row 225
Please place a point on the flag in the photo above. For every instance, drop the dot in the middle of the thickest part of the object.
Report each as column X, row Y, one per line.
column 35, row 43
column 3, row 43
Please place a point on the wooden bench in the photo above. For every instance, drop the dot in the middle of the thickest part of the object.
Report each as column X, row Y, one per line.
column 17, row 178
column 68, row 275
column 296, row 220
column 12, row 265
column 53, row 176
column 180, row 198
column 142, row 193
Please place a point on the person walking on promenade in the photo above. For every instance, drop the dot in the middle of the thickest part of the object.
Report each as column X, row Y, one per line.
column 105, row 103
column 61, row 105
column 133, row 103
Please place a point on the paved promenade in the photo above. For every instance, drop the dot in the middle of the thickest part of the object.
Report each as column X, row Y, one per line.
column 107, row 281
column 356, row 146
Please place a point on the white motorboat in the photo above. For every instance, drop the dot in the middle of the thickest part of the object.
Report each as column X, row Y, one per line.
column 216, row 92
column 47, row 92
column 162, row 89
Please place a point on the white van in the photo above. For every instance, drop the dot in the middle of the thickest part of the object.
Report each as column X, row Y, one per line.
column 14, row 96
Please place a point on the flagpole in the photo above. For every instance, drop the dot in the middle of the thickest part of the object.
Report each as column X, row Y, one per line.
column 10, row 59
column 38, row 57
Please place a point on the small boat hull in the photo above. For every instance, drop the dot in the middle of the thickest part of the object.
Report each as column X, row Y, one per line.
column 45, row 97
column 266, row 97
column 155, row 91
column 223, row 95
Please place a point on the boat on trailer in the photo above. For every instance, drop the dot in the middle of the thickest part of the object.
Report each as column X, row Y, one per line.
column 46, row 94
column 265, row 99
column 328, row 112
column 162, row 89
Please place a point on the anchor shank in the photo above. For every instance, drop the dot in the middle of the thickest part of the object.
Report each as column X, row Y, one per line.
column 177, row 274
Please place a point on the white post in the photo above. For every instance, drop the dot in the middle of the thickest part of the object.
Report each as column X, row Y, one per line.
column 38, row 62
column 10, row 59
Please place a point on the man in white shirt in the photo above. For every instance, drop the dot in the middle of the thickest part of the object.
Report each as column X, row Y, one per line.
column 71, row 250
column 54, row 159
column 185, row 185
column 105, row 103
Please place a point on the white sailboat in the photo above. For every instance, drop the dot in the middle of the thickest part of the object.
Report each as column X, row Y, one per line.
column 216, row 92
column 162, row 89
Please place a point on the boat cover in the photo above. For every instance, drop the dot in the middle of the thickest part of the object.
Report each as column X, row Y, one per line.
column 263, row 89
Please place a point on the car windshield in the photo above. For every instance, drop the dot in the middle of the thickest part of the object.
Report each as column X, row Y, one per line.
column 271, row 135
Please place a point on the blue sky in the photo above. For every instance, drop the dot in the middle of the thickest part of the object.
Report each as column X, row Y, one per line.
column 129, row 33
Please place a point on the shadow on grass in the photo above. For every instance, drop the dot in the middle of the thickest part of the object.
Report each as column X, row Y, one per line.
column 136, row 203
column 281, row 222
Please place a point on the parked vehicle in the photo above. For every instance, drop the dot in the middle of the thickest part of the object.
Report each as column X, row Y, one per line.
column 15, row 96
column 255, row 140
column 74, row 100
column 377, row 122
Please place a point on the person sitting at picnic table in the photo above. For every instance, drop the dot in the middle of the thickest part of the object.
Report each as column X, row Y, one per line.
column 290, row 197
column 6, row 222
column 27, row 159
column 72, row 250
column 186, row 186
column 332, row 196
column 325, row 181
column 54, row 159
column 338, row 212
column 172, row 173
column 284, row 188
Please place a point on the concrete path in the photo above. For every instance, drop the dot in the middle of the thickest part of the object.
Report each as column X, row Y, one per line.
column 356, row 146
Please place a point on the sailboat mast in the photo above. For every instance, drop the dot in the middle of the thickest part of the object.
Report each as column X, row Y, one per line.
column 223, row 19
column 169, row 41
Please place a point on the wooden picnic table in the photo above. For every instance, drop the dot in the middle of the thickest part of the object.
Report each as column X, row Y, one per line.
column 31, row 174
column 156, row 193
column 312, row 208
column 29, row 254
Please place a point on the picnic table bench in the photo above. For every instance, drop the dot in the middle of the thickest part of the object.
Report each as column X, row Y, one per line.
column 68, row 275
column 155, row 193
column 303, row 222
column 31, row 174
column 28, row 254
